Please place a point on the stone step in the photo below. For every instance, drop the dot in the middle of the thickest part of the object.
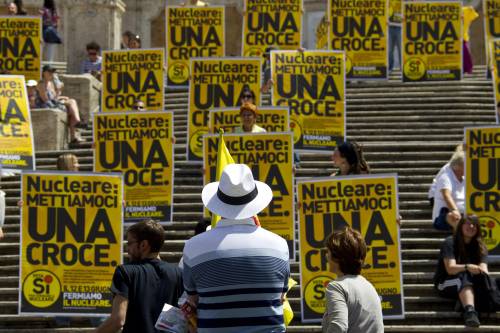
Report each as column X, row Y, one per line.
column 355, row 115
column 387, row 146
column 293, row 329
column 395, row 328
column 481, row 107
column 40, row 324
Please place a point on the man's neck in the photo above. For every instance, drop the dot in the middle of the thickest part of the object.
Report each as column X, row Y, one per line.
column 229, row 222
column 155, row 255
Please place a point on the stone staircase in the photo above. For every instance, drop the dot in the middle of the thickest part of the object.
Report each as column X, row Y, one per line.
column 410, row 129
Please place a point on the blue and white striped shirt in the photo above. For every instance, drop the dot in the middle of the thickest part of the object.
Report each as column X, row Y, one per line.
column 89, row 66
column 239, row 271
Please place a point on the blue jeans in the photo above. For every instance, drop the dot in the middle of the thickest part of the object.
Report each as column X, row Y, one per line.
column 440, row 222
column 394, row 43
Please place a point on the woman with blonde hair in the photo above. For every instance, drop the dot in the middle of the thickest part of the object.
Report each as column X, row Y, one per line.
column 68, row 162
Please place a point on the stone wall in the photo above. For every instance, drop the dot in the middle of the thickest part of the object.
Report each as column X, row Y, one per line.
column 49, row 129
column 85, row 89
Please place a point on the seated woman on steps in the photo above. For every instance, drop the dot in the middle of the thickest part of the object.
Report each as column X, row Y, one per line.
column 461, row 265
column 50, row 97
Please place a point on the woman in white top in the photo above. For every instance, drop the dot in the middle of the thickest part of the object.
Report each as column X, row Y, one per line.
column 353, row 304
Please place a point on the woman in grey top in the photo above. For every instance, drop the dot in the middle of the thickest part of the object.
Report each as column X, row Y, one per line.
column 353, row 304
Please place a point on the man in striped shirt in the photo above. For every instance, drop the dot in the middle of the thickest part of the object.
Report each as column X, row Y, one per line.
column 93, row 63
column 237, row 273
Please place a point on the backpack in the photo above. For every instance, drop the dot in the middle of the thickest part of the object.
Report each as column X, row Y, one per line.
column 487, row 294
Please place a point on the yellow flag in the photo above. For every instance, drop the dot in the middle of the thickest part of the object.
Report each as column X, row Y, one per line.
column 223, row 158
column 287, row 309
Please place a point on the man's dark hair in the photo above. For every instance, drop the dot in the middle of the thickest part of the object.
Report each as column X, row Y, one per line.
column 50, row 4
column 151, row 231
column 93, row 46
column 348, row 248
column 129, row 34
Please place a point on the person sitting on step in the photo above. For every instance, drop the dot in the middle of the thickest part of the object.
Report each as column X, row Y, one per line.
column 432, row 189
column 449, row 195
column 49, row 89
column 462, row 261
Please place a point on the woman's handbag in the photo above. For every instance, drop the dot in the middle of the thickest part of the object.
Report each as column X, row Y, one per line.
column 487, row 294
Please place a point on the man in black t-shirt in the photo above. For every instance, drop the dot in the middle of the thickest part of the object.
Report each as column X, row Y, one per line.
column 144, row 285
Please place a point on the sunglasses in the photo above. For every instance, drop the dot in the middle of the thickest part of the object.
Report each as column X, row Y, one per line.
column 92, row 53
column 247, row 96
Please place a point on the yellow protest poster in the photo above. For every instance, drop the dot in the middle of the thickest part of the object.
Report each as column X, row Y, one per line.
column 494, row 47
column 491, row 14
column 16, row 135
column 432, row 41
column 192, row 32
column 216, row 83
column 322, row 34
column 140, row 146
column 312, row 85
column 359, row 28
column 270, row 157
column 482, row 182
column 129, row 76
column 20, row 40
column 367, row 203
column 71, row 242
column 271, row 118
column 267, row 23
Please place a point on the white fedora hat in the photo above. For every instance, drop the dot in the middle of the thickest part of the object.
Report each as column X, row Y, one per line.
column 237, row 195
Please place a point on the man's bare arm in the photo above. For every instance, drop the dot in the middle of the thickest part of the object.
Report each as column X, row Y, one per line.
column 117, row 318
